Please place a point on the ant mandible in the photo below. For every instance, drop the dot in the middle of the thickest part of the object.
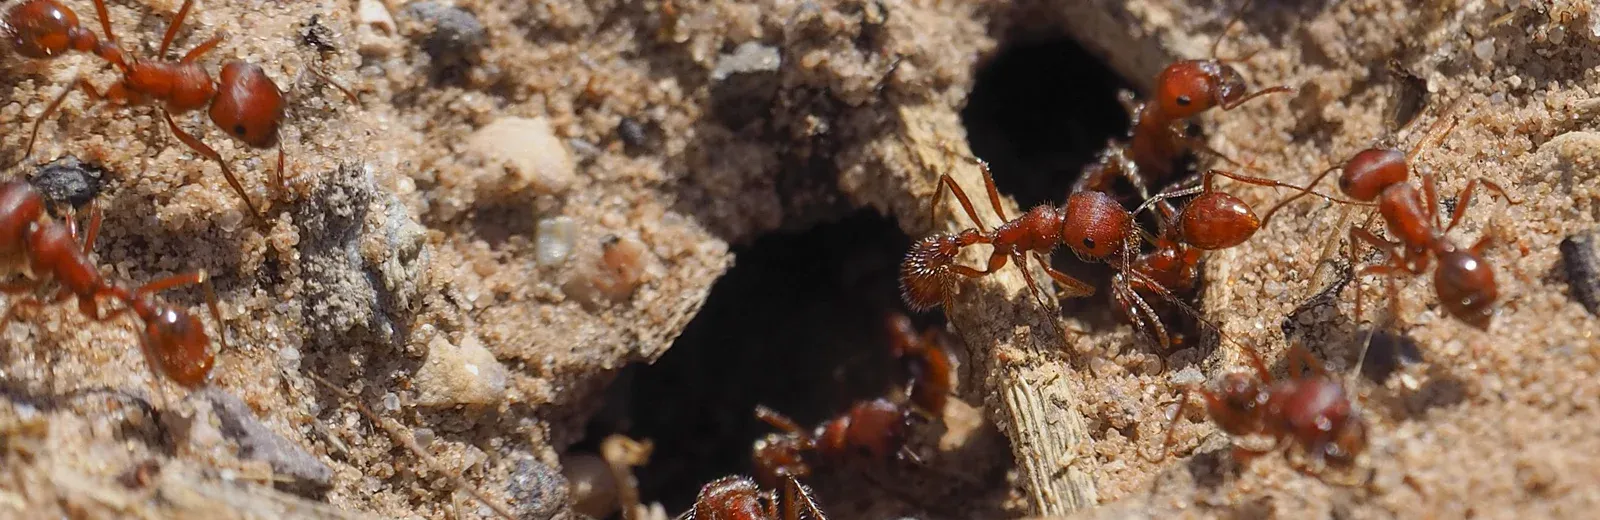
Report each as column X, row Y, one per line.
column 739, row 498
column 1184, row 90
column 1311, row 411
column 174, row 342
column 246, row 104
column 1463, row 280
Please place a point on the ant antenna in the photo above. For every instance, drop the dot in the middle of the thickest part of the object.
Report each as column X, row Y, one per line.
column 1237, row 17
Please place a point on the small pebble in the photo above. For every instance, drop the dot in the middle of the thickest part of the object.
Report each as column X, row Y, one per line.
column 1484, row 49
column 453, row 34
column 68, row 180
column 459, row 375
column 1580, row 255
column 297, row 470
column 553, row 239
column 522, row 154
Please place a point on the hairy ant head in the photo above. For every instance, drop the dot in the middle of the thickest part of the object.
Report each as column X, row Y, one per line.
column 1217, row 220
column 925, row 278
column 1368, row 173
column 733, row 498
column 1190, row 87
column 249, row 105
column 40, row 29
column 778, row 456
column 1096, row 226
column 1234, row 410
column 1466, row 286
column 873, row 430
column 178, row 343
column 20, row 206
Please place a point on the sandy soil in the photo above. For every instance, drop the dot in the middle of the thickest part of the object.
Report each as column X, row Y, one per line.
column 511, row 215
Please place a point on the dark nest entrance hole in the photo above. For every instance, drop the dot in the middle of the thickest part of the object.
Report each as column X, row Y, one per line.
column 797, row 323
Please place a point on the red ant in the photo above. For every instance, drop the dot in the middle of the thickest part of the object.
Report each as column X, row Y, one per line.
column 1463, row 280
column 932, row 373
column 739, row 498
column 1311, row 411
column 1097, row 228
column 174, row 342
column 246, row 104
column 1183, row 90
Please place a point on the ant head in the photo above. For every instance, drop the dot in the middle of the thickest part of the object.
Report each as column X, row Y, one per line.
column 1190, row 87
column 1096, row 225
column 1372, row 170
column 728, row 497
column 1217, row 220
column 1466, row 286
column 179, row 343
column 249, row 105
column 776, row 456
column 925, row 278
column 40, row 29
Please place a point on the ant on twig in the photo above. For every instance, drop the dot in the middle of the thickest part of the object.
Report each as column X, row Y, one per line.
column 1463, row 280
column 246, row 104
column 1156, row 142
column 1312, row 411
column 174, row 342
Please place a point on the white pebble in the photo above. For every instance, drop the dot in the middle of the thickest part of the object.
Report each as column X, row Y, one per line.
column 553, row 240
column 1484, row 49
column 391, row 402
column 523, row 154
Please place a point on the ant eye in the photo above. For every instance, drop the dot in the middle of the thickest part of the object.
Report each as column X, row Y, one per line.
column 1183, row 100
column 238, row 129
column 1088, row 243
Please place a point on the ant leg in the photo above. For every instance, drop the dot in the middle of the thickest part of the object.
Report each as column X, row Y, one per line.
column 1172, row 425
column 1261, row 181
column 806, row 502
column 281, row 180
column 1465, row 199
column 329, row 80
column 1075, row 288
column 1304, row 190
column 201, row 50
column 1300, row 360
column 93, row 231
column 200, row 147
column 946, row 180
column 1038, row 296
column 1392, row 257
column 779, row 420
column 1139, row 311
column 105, row 21
column 171, row 282
column 172, row 28
column 78, row 83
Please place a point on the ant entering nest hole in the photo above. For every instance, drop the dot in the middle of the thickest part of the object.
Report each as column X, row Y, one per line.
column 797, row 325
column 1041, row 110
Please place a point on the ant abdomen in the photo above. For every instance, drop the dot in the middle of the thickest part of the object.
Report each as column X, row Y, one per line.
column 249, row 105
column 182, row 351
column 1217, row 220
column 1466, row 287
column 1369, row 172
column 925, row 278
column 43, row 29
column 1096, row 225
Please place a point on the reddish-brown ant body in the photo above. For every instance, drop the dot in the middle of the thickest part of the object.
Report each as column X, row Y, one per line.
column 739, row 498
column 932, row 375
column 1159, row 137
column 246, row 103
column 1463, row 280
column 174, row 342
column 1096, row 228
column 1311, row 411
